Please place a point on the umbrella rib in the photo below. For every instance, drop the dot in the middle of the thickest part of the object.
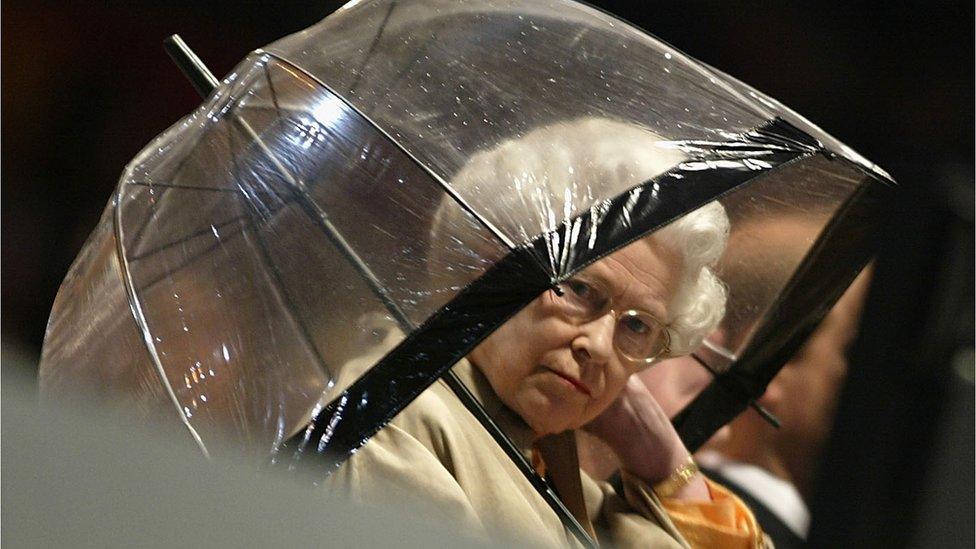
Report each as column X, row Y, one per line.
column 135, row 308
column 372, row 47
column 176, row 173
column 430, row 172
column 209, row 230
column 190, row 259
column 274, row 94
column 288, row 302
column 150, row 184
column 188, row 62
column 262, row 245
column 400, row 74
column 183, row 264
column 300, row 191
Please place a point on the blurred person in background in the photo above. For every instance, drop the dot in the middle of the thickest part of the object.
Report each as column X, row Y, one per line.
column 774, row 469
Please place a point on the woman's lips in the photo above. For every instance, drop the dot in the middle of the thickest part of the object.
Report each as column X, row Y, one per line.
column 575, row 383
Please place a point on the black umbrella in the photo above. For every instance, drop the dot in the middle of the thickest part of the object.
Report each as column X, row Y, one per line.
column 266, row 265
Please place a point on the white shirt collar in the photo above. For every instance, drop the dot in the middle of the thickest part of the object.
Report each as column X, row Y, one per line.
column 779, row 496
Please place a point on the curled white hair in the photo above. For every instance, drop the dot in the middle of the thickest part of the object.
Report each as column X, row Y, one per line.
column 699, row 303
column 529, row 185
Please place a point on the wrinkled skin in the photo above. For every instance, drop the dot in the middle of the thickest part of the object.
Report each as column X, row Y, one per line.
column 559, row 375
column 803, row 395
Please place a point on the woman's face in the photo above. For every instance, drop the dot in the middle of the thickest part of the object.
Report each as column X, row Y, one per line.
column 558, row 374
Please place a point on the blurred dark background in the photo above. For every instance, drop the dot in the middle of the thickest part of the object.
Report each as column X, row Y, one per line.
column 87, row 85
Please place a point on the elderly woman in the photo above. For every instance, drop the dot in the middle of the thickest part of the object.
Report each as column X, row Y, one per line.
column 564, row 363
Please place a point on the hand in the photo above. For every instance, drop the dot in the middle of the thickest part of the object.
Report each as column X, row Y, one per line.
column 641, row 435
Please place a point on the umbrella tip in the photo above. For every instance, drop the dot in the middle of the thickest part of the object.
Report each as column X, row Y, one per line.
column 190, row 65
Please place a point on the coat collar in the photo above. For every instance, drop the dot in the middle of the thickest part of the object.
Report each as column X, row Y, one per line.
column 511, row 423
column 558, row 451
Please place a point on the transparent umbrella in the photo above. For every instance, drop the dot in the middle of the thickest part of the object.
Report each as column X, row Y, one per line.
column 291, row 264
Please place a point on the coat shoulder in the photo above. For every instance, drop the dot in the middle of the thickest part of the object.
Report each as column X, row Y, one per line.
column 437, row 420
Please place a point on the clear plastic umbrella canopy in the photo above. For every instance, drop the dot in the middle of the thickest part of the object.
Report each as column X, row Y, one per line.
column 358, row 205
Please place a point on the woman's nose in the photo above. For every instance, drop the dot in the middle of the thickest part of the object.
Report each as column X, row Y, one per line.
column 595, row 341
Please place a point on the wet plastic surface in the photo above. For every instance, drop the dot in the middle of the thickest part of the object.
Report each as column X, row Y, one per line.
column 361, row 203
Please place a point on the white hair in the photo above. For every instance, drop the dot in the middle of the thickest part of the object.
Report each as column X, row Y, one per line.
column 699, row 304
column 529, row 185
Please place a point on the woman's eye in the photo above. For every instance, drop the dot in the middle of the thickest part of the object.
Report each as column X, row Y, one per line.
column 585, row 297
column 581, row 289
column 637, row 326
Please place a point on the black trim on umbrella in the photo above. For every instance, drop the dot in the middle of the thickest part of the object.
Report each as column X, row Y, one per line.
column 378, row 395
column 361, row 410
column 840, row 252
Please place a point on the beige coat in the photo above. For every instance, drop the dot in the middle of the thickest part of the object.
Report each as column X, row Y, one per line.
column 435, row 457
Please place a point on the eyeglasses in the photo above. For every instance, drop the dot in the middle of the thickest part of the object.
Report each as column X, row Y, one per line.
column 637, row 335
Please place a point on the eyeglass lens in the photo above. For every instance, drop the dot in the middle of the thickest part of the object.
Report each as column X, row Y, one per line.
column 637, row 334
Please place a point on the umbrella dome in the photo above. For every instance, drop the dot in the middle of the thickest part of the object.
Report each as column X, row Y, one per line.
column 265, row 271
